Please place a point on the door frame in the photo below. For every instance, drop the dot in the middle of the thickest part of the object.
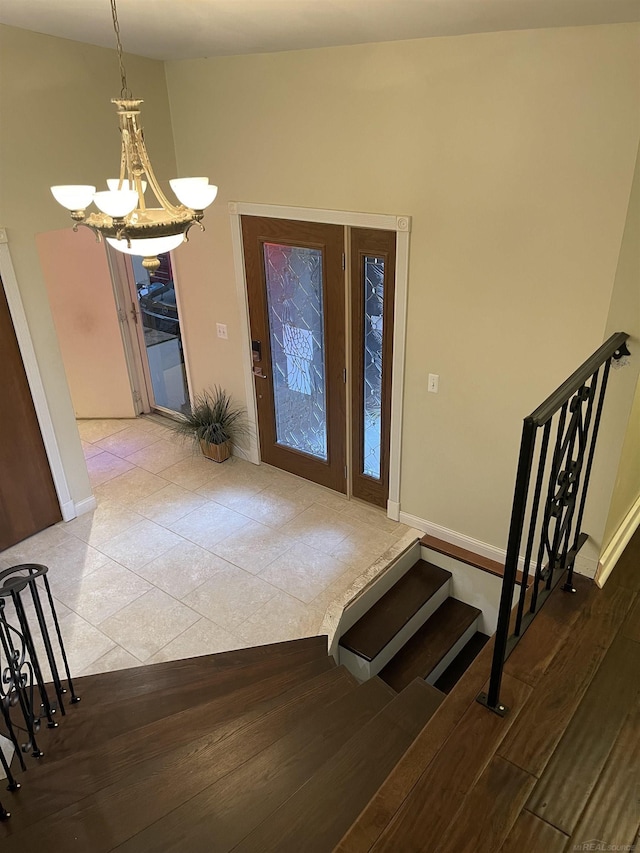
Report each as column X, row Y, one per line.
column 34, row 379
column 386, row 222
column 133, row 334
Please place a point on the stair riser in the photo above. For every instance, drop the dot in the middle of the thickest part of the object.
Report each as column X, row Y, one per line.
column 473, row 586
column 453, row 652
column 364, row 669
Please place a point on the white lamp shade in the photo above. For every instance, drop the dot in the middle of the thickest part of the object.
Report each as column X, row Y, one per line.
column 113, row 184
column 116, row 203
column 149, row 247
column 74, row 196
column 196, row 193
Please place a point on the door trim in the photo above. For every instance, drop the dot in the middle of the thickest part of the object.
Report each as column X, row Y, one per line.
column 402, row 226
column 133, row 338
column 34, row 378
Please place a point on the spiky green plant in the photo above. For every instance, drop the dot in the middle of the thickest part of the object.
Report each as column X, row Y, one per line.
column 213, row 418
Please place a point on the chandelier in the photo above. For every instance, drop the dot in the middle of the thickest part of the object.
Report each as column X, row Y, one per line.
column 124, row 220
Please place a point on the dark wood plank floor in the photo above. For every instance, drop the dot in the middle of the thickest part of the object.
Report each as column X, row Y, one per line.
column 560, row 771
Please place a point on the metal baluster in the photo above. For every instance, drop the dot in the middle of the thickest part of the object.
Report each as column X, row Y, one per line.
column 4, row 814
column 544, row 533
column 35, row 595
column 492, row 698
column 16, row 589
column 587, row 474
column 20, row 686
column 12, row 784
column 532, row 523
column 582, row 436
column 5, row 703
column 74, row 697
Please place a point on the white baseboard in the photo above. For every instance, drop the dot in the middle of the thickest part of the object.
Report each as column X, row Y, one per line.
column 68, row 510
column 619, row 542
column 249, row 455
column 86, row 505
column 393, row 510
column 454, row 538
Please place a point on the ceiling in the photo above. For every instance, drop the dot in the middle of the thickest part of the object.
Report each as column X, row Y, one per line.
column 188, row 29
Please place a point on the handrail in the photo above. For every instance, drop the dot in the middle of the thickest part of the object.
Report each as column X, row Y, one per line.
column 548, row 508
column 555, row 400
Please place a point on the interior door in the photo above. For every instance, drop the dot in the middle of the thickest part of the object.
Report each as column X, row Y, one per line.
column 28, row 500
column 148, row 310
column 296, row 295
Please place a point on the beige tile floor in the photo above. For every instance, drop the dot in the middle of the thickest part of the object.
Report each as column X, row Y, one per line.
column 185, row 557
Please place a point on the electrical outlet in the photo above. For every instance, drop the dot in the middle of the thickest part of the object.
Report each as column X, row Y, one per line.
column 222, row 330
column 434, row 381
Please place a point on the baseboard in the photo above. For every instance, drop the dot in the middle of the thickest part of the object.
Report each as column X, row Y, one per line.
column 619, row 542
column 68, row 510
column 454, row 538
column 249, row 455
column 393, row 510
column 86, row 505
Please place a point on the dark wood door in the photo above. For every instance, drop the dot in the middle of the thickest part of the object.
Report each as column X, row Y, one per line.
column 296, row 293
column 373, row 260
column 28, row 500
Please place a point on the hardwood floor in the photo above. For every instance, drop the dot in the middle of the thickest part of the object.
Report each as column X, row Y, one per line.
column 561, row 770
column 276, row 749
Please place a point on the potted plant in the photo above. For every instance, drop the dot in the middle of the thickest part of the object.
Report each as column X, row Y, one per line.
column 214, row 423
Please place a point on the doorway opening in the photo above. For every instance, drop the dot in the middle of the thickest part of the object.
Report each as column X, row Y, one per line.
column 150, row 318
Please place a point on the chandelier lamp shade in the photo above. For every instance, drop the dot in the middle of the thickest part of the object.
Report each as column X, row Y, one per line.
column 123, row 217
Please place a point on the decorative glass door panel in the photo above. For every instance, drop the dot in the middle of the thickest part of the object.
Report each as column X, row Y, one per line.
column 373, row 284
column 295, row 285
column 296, row 334
column 372, row 295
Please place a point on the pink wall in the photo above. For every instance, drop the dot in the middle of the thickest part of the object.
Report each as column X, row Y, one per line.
column 84, row 312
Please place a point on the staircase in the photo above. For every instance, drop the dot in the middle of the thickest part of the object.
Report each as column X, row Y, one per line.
column 271, row 748
column 415, row 630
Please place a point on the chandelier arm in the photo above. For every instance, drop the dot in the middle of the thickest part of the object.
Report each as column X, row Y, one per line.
column 190, row 226
column 145, row 162
column 134, row 153
column 85, row 224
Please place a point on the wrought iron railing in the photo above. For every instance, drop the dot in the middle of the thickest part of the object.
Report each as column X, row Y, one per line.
column 26, row 645
column 549, row 501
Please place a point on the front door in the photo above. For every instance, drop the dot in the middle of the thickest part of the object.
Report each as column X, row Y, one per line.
column 296, row 295
column 28, row 500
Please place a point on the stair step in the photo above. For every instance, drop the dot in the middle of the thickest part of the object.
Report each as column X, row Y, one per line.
column 461, row 663
column 428, row 648
column 382, row 622
column 220, row 796
column 89, row 723
column 315, row 818
column 59, row 784
column 127, row 683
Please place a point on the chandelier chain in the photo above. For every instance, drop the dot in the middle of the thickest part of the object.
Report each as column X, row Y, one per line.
column 125, row 92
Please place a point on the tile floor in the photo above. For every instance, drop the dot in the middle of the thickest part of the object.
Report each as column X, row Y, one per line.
column 185, row 557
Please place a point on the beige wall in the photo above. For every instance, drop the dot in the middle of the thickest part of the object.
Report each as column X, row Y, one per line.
column 58, row 126
column 78, row 282
column 627, row 486
column 513, row 153
column 620, row 485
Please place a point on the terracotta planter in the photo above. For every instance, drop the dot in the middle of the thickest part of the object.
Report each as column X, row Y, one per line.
column 217, row 452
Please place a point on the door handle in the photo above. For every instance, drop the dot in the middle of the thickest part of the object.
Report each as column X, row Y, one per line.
column 257, row 372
